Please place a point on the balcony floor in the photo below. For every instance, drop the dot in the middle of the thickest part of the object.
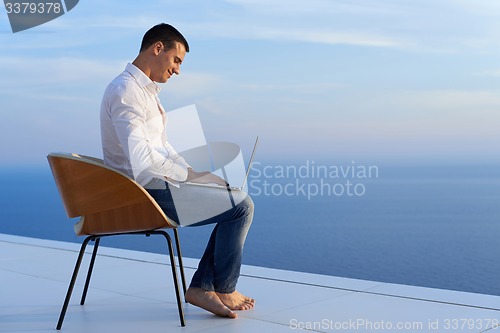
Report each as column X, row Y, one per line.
column 132, row 291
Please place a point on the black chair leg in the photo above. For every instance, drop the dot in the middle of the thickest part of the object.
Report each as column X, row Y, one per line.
column 181, row 264
column 174, row 275
column 89, row 273
column 91, row 267
column 73, row 280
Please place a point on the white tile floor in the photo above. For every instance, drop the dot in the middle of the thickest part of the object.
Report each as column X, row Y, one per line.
column 132, row 291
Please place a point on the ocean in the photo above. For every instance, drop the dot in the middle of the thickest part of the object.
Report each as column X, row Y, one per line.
column 431, row 226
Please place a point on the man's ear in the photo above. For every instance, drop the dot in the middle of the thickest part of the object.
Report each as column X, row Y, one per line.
column 157, row 47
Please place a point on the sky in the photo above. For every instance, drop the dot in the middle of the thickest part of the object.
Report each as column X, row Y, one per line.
column 365, row 80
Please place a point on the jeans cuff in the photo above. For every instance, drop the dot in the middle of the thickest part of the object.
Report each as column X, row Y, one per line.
column 202, row 285
column 225, row 291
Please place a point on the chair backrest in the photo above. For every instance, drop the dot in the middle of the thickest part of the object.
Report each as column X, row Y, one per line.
column 108, row 200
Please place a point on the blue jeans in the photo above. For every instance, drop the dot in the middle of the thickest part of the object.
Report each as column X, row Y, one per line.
column 219, row 267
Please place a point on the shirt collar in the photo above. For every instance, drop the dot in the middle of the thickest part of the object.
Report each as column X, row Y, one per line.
column 142, row 79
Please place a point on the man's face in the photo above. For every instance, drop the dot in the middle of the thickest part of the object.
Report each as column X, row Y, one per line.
column 168, row 62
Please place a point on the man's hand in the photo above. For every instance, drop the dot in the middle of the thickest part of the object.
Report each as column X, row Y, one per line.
column 204, row 177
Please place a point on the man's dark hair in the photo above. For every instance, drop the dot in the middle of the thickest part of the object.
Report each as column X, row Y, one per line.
column 164, row 33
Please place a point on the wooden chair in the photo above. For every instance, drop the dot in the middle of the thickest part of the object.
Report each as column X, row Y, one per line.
column 109, row 203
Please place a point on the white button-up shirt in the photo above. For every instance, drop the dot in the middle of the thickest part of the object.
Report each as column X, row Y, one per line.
column 133, row 134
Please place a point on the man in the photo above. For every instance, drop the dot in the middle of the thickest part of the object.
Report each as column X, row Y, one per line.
column 134, row 141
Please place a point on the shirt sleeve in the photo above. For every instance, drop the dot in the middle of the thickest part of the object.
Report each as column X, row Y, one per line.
column 178, row 159
column 128, row 116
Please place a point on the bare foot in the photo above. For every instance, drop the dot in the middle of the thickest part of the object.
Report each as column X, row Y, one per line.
column 236, row 301
column 209, row 301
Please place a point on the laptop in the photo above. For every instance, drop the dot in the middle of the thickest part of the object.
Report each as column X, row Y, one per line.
column 244, row 179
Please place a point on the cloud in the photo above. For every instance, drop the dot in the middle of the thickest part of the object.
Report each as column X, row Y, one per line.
column 326, row 37
column 290, row 32
column 195, row 83
column 319, row 7
column 446, row 101
column 294, row 88
column 42, row 72
column 445, row 26
column 489, row 73
column 397, row 114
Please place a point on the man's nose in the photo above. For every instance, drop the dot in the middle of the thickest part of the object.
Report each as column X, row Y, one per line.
column 177, row 70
